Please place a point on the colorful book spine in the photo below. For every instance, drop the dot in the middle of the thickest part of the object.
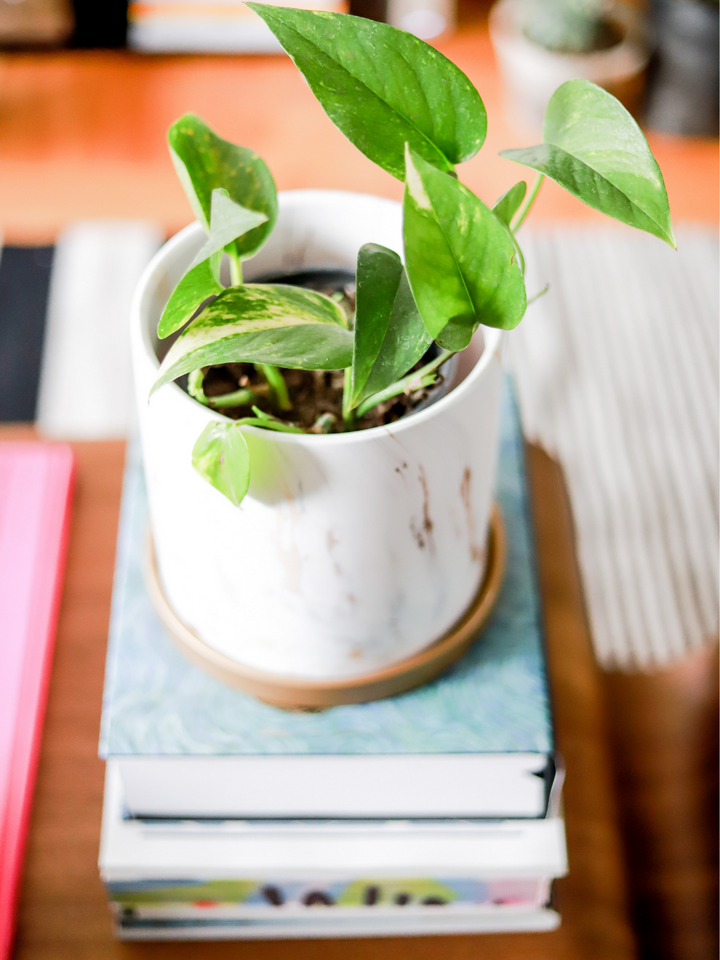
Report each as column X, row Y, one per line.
column 35, row 494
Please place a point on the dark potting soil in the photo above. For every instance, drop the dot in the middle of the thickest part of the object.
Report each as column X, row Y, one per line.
column 314, row 394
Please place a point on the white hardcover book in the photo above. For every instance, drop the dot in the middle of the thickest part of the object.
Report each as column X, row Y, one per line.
column 261, row 852
column 499, row 920
column 454, row 785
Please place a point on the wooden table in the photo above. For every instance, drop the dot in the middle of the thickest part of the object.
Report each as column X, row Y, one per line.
column 63, row 911
column 82, row 135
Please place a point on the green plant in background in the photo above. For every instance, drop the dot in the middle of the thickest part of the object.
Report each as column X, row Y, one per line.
column 569, row 26
column 415, row 114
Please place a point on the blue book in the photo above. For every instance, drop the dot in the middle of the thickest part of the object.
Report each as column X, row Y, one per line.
column 475, row 743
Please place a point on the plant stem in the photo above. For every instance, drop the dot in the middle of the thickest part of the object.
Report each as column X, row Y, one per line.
column 269, row 425
column 277, row 385
column 529, row 200
column 537, row 296
column 413, row 381
column 195, row 387
column 348, row 413
column 236, row 277
column 518, row 251
column 238, row 398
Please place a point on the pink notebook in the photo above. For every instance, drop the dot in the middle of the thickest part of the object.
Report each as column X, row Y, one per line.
column 35, row 492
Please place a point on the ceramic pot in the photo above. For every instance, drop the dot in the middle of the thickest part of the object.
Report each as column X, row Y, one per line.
column 350, row 551
column 531, row 73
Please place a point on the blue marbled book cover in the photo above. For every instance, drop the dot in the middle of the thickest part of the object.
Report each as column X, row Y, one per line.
column 494, row 700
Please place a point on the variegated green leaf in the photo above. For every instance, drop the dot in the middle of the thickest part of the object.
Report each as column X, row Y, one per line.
column 596, row 151
column 390, row 336
column 205, row 161
column 197, row 285
column 221, row 457
column 263, row 323
column 461, row 262
column 383, row 87
column 228, row 221
column 509, row 203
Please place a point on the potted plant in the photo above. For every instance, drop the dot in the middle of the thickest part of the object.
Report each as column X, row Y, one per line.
column 541, row 44
column 329, row 537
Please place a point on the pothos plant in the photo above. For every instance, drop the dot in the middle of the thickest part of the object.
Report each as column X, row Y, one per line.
column 415, row 114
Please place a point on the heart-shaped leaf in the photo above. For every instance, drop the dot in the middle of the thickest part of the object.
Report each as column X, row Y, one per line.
column 228, row 222
column 263, row 323
column 221, row 457
column 462, row 264
column 382, row 87
column 509, row 203
column 390, row 336
column 596, row 151
column 205, row 162
column 197, row 285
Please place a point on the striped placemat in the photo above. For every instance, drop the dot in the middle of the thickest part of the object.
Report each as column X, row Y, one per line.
column 617, row 370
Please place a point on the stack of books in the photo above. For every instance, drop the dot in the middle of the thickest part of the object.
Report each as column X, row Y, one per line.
column 436, row 811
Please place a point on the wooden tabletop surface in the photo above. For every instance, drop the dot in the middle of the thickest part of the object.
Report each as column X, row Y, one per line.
column 82, row 134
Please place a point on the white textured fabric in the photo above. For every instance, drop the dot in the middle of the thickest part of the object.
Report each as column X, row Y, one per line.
column 85, row 378
column 617, row 373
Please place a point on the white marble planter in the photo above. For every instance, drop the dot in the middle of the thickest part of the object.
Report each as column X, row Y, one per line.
column 351, row 551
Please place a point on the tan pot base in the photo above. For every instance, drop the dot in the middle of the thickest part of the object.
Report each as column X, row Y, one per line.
column 291, row 693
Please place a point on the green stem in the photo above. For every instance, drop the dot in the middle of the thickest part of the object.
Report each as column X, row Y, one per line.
column 348, row 414
column 518, row 251
column 269, row 424
column 236, row 277
column 277, row 385
column 195, row 387
column 538, row 295
column 413, row 381
column 529, row 200
column 272, row 423
column 238, row 398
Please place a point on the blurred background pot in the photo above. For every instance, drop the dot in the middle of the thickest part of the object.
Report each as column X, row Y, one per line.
column 683, row 87
column 532, row 72
column 351, row 551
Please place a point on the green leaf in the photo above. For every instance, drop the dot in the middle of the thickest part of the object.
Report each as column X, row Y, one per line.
column 462, row 264
column 197, row 285
column 596, row 151
column 221, row 457
column 228, row 222
column 263, row 323
column 509, row 203
column 382, row 87
column 205, row 162
column 390, row 336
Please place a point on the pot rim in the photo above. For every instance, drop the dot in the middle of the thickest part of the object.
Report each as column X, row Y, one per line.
column 298, row 199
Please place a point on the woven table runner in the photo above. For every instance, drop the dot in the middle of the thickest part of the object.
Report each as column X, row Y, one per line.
column 617, row 372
